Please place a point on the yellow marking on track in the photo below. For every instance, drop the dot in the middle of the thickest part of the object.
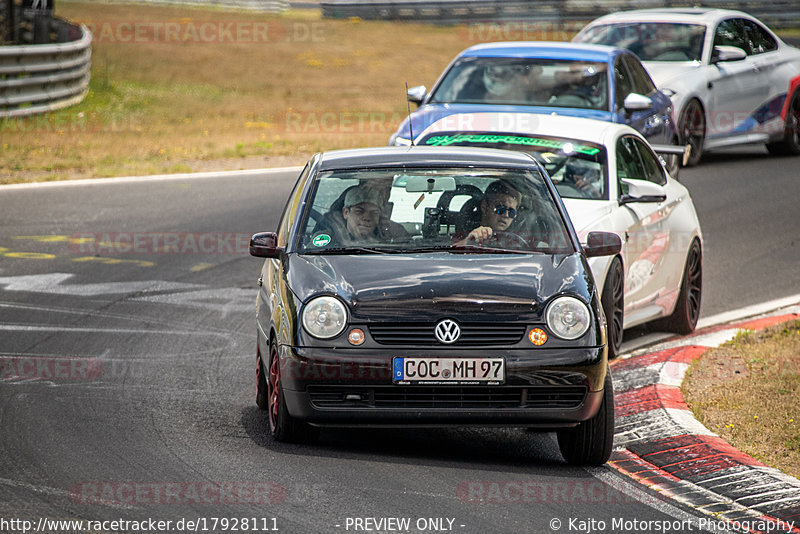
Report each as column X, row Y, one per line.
column 201, row 266
column 29, row 255
column 43, row 238
column 114, row 261
column 54, row 239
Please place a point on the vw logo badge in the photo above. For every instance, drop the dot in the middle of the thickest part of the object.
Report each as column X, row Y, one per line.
column 447, row 331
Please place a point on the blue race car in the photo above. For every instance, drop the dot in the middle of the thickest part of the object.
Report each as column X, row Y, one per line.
column 578, row 80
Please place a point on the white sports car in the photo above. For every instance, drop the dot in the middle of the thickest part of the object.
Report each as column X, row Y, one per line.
column 610, row 179
column 732, row 80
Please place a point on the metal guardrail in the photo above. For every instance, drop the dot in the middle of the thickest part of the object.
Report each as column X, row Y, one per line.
column 37, row 78
column 265, row 6
column 775, row 13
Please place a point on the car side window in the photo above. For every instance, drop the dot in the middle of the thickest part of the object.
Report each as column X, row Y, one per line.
column 290, row 211
column 653, row 170
column 629, row 166
column 758, row 37
column 622, row 83
column 641, row 81
column 730, row 32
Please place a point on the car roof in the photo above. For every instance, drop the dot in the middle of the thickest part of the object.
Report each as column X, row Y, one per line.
column 542, row 49
column 577, row 128
column 419, row 156
column 687, row 15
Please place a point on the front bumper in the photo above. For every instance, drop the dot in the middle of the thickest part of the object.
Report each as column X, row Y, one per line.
column 548, row 388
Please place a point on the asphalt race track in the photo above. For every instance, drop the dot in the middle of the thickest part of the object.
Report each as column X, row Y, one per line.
column 127, row 379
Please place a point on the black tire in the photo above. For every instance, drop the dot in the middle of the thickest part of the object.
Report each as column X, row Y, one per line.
column 591, row 442
column 687, row 310
column 613, row 301
column 673, row 161
column 790, row 145
column 261, row 383
column 282, row 426
column 692, row 130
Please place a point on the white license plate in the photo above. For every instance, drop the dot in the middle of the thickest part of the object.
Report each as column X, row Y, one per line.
column 488, row 371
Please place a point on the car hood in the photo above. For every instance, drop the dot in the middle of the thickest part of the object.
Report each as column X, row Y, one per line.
column 670, row 74
column 588, row 215
column 429, row 114
column 416, row 287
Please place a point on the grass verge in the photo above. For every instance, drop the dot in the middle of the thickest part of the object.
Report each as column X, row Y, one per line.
column 747, row 391
column 177, row 89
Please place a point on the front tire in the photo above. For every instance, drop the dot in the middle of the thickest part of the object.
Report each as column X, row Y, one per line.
column 591, row 442
column 613, row 301
column 692, row 129
column 687, row 310
column 282, row 426
column 790, row 145
column 261, row 383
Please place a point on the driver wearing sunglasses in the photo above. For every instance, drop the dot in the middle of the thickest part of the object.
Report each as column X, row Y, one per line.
column 498, row 210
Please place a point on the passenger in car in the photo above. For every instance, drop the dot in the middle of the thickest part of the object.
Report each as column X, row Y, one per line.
column 584, row 177
column 360, row 217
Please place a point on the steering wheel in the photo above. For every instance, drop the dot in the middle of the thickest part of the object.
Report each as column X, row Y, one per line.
column 572, row 98
column 505, row 238
column 569, row 190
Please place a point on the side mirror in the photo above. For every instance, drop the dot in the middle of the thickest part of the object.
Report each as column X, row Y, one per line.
column 727, row 53
column 637, row 102
column 642, row 191
column 417, row 94
column 602, row 244
column 265, row 245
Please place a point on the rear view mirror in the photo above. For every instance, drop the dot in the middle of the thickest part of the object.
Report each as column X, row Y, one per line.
column 637, row 102
column 265, row 245
column 417, row 94
column 602, row 244
column 727, row 53
column 430, row 184
column 642, row 191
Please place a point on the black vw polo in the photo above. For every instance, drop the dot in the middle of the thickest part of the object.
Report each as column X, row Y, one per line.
column 432, row 286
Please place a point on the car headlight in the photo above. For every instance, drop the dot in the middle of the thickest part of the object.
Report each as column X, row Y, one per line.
column 568, row 317
column 324, row 317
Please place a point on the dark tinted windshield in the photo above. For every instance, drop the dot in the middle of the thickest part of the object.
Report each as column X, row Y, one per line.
column 527, row 82
column 406, row 210
column 577, row 168
column 651, row 41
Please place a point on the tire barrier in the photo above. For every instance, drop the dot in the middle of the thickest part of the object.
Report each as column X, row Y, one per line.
column 37, row 78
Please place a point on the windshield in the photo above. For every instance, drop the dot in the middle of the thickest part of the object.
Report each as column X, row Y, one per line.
column 526, row 82
column 578, row 168
column 651, row 41
column 432, row 209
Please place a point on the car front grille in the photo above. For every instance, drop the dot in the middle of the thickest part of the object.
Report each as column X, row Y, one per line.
column 472, row 334
column 542, row 397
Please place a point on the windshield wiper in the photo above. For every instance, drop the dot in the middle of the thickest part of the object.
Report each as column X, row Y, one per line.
column 470, row 249
column 355, row 250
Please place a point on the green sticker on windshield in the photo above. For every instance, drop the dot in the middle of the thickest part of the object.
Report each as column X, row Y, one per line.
column 494, row 139
column 321, row 240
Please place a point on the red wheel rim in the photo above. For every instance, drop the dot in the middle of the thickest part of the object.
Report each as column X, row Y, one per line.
column 273, row 381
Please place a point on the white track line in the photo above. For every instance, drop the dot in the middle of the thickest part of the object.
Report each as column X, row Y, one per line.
column 148, row 178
